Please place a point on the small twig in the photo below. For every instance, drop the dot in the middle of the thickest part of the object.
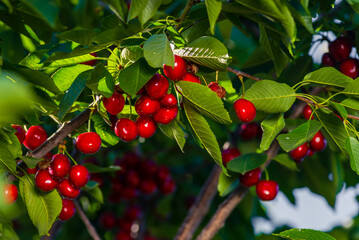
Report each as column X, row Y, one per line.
column 240, row 73
column 91, row 230
column 53, row 231
column 187, row 8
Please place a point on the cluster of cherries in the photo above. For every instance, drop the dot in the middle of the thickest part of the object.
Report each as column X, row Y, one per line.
column 338, row 56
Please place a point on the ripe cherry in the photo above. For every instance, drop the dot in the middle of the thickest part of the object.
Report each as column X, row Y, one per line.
column 132, row 178
column 189, row 77
column 340, row 48
column 126, row 129
column 128, row 193
column 267, row 190
column 108, row 220
column 79, row 176
column 178, row 70
column 32, row 170
column 250, row 178
column 44, row 181
column 245, row 110
column 122, row 235
column 60, row 166
column 229, row 154
column 68, row 209
column 167, row 187
column 88, row 142
column 131, row 159
column 166, row 115
column 299, row 153
column 35, row 136
column 157, row 86
column 147, row 168
column 146, row 106
column 221, row 92
column 67, row 190
column 148, row 186
column 20, row 133
column 162, row 174
column 318, row 142
column 10, row 193
column 327, row 60
column 349, row 67
column 249, row 131
column 115, row 103
column 169, row 101
column 91, row 62
column 146, row 127
column 310, row 152
column 133, row 213
column 307, row 112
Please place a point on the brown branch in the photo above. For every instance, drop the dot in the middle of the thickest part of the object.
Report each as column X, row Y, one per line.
column 53, row 231
column 90, row 228
column 200, row 208
column 240, row 73
column 187, row 8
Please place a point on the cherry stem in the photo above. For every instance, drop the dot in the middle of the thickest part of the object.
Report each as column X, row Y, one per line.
column 69, row 155
column 266, row 173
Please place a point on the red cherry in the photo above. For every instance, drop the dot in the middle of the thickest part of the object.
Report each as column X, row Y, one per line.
column 167, row 187
column 146, row 127
column 133, row 213
column 121, row 235
column 340, row 48
column 148, row 168
column 307, row 112
column 44, row 181
column 68, row 210
column 229, row 154
column 125, row 225
column 178, row 70
column 163, row 173
column 20, row 133
column 318, row 142
column 267, row 190
column 108, row 220
column 165, row 115
column 60, row 166
column 299, row 153
column 250, row 130
column 79, row 176
column 250, row 178
column 113, row 119
column 32, row 170
column 35, row 136
column 146, row 106
column 10, row 193
column 91, row 62
column 126, row 129
column 88, row 143
column 132, row 179
column 128, row 193
column 310, row 152
column 67, row 190
column 115, row 103
column 157, row 86
column 245, row 110
column 141, row 91
column 349, row 67
column 327, row 60
column 148, row 186
column 221, row 92
column 131, row 159
column 169, row 101
column 189, row 77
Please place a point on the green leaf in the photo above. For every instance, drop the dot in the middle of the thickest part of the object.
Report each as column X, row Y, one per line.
column 157, row 51
column 97, row 169
column 48, row 10
column 14, row 147
column 7, row 160
column 328, row 76
column 136, row 7
column 73, row 93
column 96, row 193
column 286, row 161
column 271, row 97
column 131, row 54
column 352, row 88
column 227, row 184
column 30, row 161
column 101, row 81
column 304, row 234
column 43, row 208
column 174, row 131
column 107, row 135
column 271, row 126
column 206, row 51
column 352, row 148
column 135, row 76
column 300, row 135
column 119, row 8
column 6, row 229
column 246, row 162
column 64, row 77
column 205, row 100
column 149, row 11
column 342, row 111
column 81, row 36
column 213, row 10
column 204, row 133
column 351, row 103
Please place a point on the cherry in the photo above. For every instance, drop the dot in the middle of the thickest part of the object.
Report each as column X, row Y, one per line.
column 318, row 142
column 250, row 130
column 146, row 127
column 133, row 213
column 167, row 187
column 91, row 62
column 44, row 181
column 221, row 92
column 68, row 210
column 60, row 166
column 10, row 193
column 125, row 225
column 88, row 142
column 35, row 136
column 307, row 112
column 189, row 77
column 128, row 193
column 162, row 174
column 148, row 186
column 67, row 190
column 299, row 153
column 126, row 129
column 310, row 152
column 166, row 115
column 131, row 159
column 146, row 106
column 178, row 70
column 340, row 48
column 113, row 119
column 169, row 101
column 267, row 190
column 148, row 168
column 79, row 176
column 108, row 220
column 20, row 133
column 114, row 104
column 349, row 68
column 250, row 178
column 327, row 60
column 229, row 154
column 245, row 110
column 157, row 86
column 141, row 91
column 122, row 235
column 32, row 170
column 132, row 178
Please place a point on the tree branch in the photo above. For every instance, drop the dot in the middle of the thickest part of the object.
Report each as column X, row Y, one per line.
column 187, row 8
column 53, row 231
column 91, row 230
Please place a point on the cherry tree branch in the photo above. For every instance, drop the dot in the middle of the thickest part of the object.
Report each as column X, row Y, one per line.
column 187, row 8
column 53, row 231
column 90, row 228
